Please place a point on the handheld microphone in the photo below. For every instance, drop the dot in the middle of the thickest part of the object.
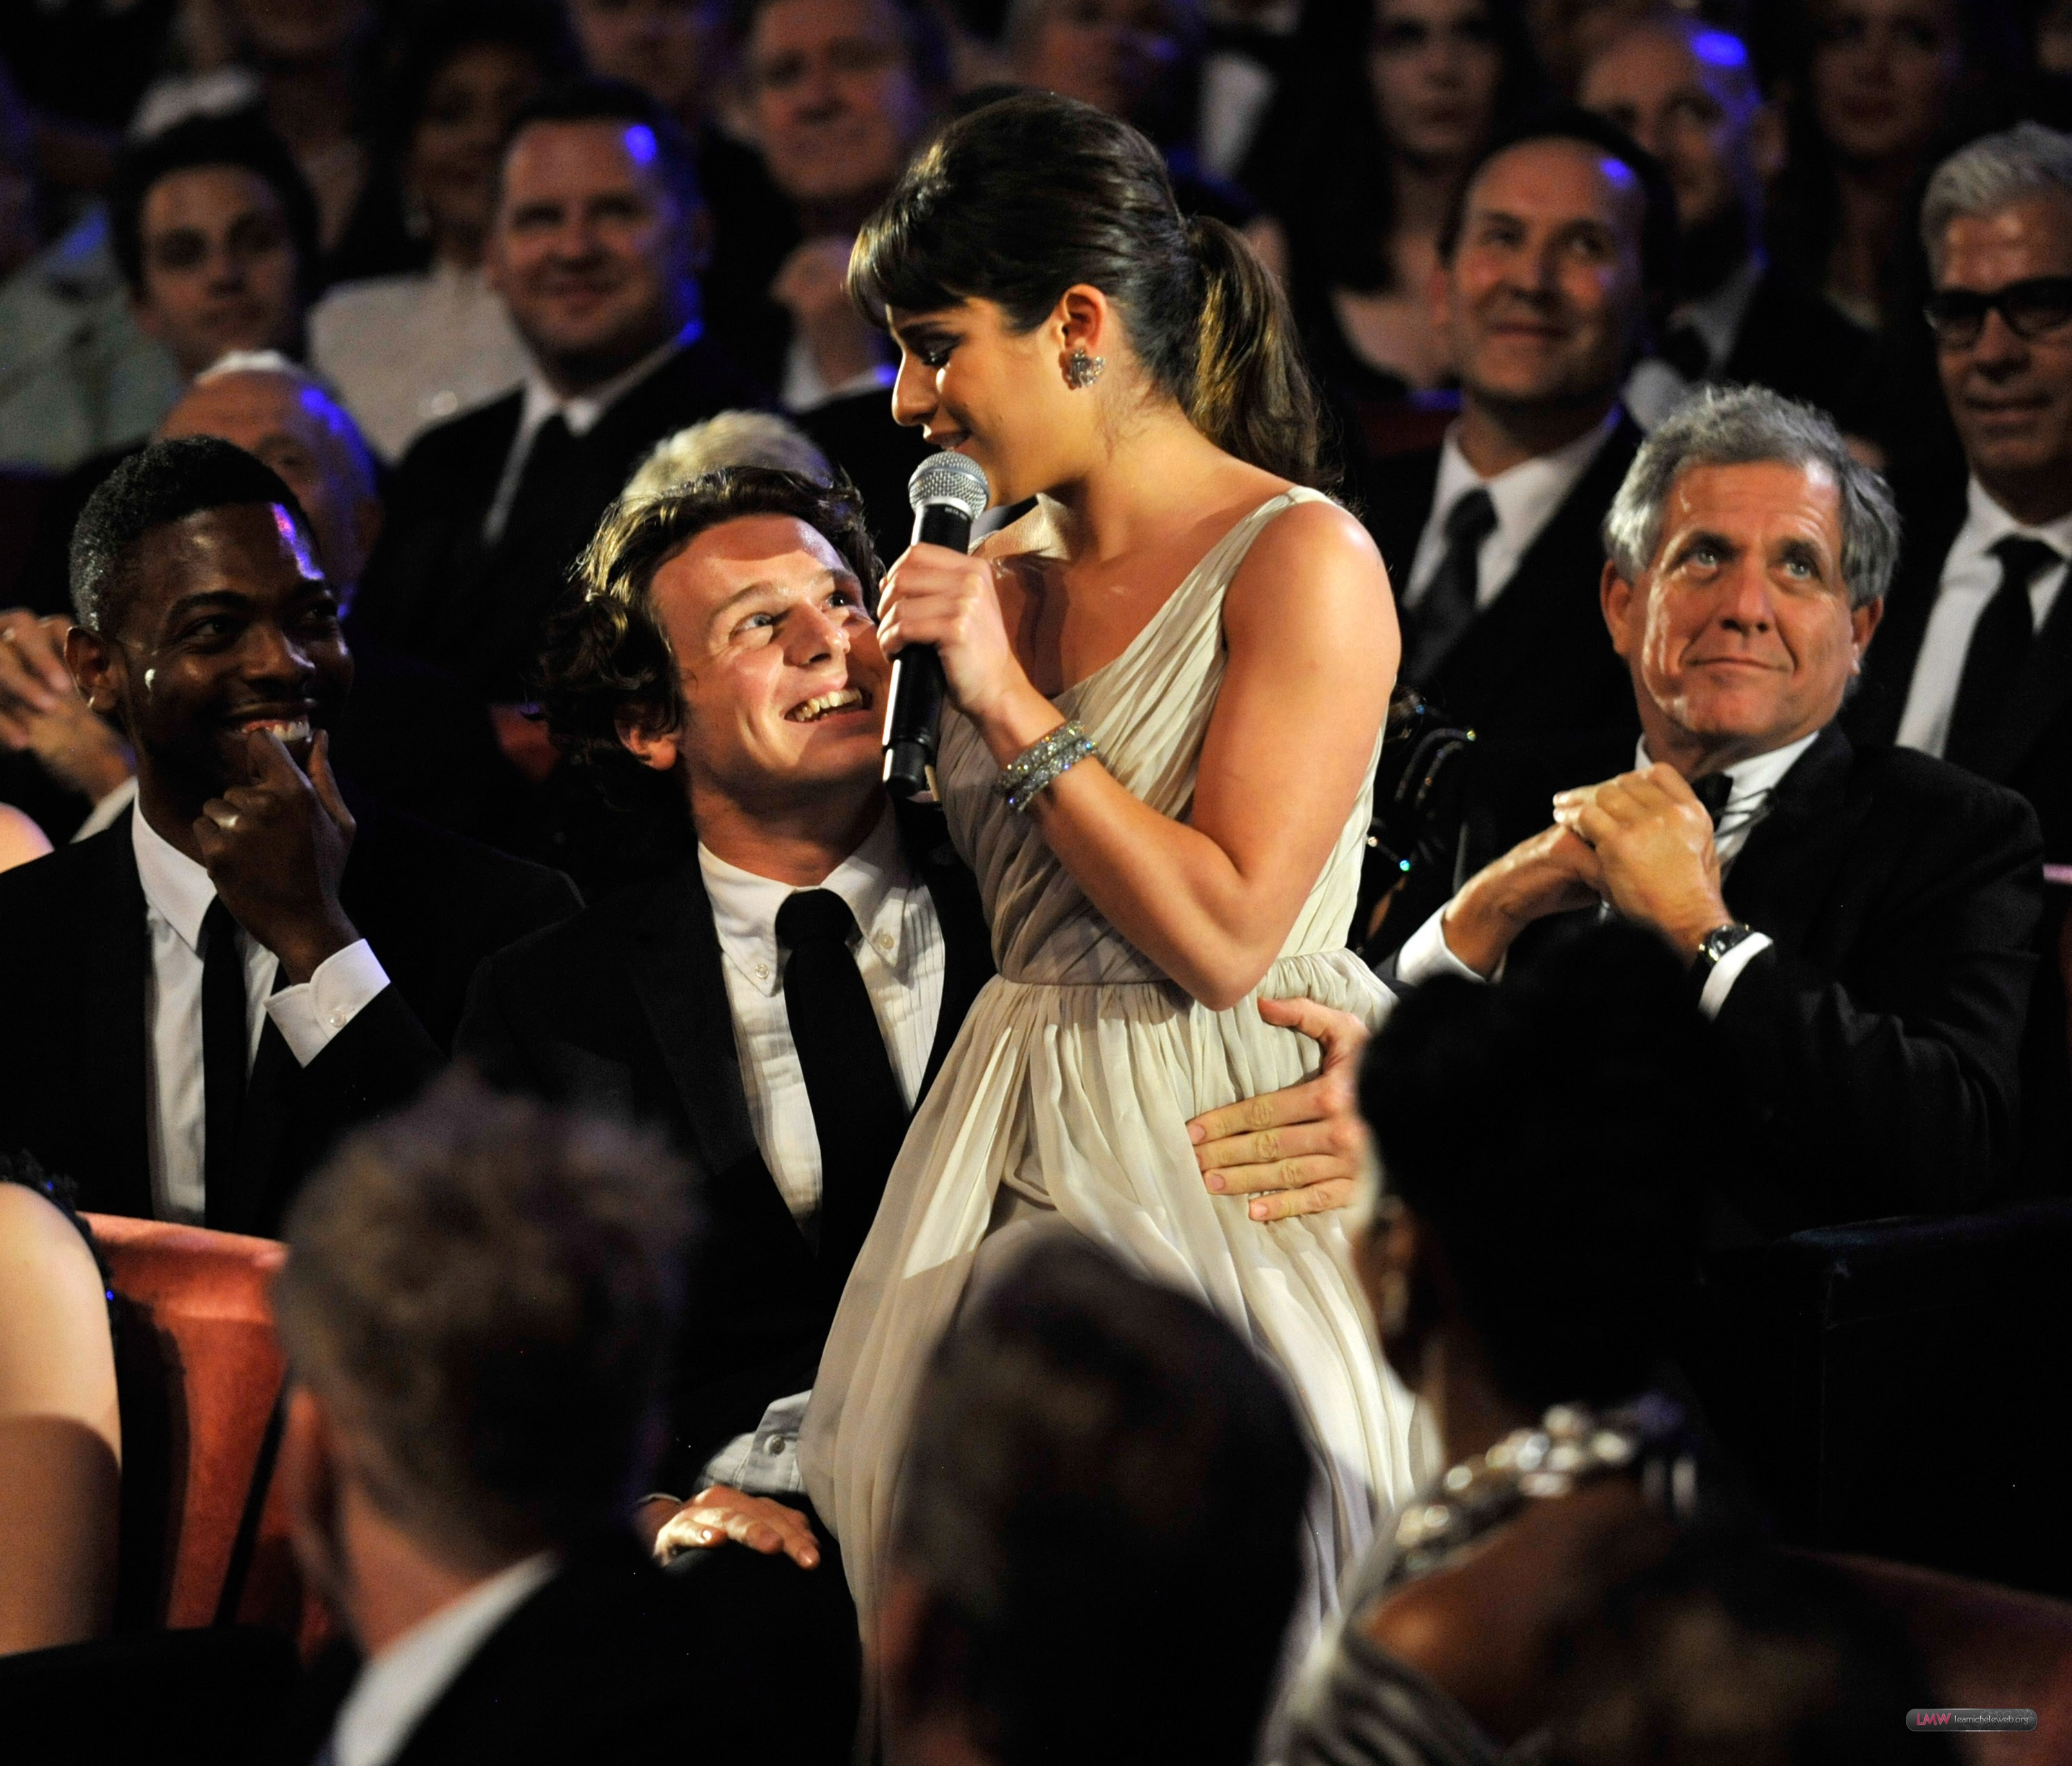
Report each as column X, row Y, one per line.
column 947, row 493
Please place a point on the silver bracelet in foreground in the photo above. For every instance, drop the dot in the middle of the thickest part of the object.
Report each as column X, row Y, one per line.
column 1048, row 758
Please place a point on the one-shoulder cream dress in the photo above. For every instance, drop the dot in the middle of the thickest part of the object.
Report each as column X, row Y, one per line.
column 1069, row 1089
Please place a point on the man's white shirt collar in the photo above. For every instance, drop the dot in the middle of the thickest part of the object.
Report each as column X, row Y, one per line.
column 179, row 889
column 744, row 905
column 1751, row 779
column 396, row 1689
column 1987, row 524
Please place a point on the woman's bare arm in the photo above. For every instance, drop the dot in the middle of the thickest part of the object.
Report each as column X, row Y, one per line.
column 1313, row 645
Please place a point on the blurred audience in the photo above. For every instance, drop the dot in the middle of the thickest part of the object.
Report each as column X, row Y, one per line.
column 1100, row 1472
column 60, row 1433
column 243, row 918
column 1858, row 924
column 594, row 249
column 674, row 50
column 1135, row 59
column 407, row 352
column 1556, row 247
column 1687, row 91
column 1364, row 165
column 309, row 70
column 1567, row 33
column 478, row 1308
column 734, row 438
column 1530, row 1286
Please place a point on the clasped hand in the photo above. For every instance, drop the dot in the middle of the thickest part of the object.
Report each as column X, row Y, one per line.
column 276, row 848
column 935, row 595
column 1653, row 840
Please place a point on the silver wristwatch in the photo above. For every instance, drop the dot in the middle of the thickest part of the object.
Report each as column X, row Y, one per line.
column 1714, row 947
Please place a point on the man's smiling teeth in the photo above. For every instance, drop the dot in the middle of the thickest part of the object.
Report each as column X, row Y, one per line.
column 288, row 729
column 814, row 709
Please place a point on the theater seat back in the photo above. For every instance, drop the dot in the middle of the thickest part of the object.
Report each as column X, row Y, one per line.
column 200, row 1376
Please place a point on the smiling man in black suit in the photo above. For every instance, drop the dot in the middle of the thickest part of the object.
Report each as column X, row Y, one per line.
column 1561, row 238
column 1859, row 925
column 594, row 248
column 202, row 995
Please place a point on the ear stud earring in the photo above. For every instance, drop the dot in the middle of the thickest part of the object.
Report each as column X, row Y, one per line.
column 1082, row 370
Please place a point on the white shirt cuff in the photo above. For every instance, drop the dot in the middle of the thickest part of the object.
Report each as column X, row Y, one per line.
column 310, row 1013
column 1425, row 955
column 1721, row 980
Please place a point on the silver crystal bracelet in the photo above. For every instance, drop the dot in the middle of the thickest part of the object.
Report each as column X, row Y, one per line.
column 1048, row 758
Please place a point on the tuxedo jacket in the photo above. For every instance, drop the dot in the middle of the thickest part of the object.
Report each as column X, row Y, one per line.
column 434, row 588
column 74, row 1040
column 607, row 1662
column 1795, row 343
column 2030, row 751
column 624, row 1009
column 1537, row 660
column 1879, row 1041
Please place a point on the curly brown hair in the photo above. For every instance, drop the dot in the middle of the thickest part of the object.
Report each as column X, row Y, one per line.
column 608, row 654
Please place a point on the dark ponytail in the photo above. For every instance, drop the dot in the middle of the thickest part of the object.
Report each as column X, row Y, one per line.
column 1252, row 395
column 1017, row 201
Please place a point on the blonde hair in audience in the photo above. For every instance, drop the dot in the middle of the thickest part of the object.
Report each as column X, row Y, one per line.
column 734, row 438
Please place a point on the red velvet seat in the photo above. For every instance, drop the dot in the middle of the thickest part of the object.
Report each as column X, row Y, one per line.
column 200, row 1375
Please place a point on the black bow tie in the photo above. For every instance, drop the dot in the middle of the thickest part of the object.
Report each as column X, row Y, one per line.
column 1713, row 790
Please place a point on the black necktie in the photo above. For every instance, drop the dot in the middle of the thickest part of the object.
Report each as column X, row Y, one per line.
column 1685, row 349
column 547, row 464
column 1999, row 643
column 1449, row 605
column 224, row 1041
column 1713, row 790
column 859, row 1111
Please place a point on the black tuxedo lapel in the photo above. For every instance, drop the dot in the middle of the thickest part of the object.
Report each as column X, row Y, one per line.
column 1779, row 882
column 110, row 982
column 1873, row 714
column 2039, row 694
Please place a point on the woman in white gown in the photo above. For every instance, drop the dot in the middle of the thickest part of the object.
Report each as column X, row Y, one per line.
column 1226, row 639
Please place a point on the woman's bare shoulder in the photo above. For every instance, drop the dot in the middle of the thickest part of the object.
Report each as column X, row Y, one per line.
column 33, row 1229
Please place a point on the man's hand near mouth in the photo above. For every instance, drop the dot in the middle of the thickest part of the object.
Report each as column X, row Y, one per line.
column 276, row 849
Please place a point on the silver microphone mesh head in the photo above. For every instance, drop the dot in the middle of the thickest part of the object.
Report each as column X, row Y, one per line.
column 949, row 477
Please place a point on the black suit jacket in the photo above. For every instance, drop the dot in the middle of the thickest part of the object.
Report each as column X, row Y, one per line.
column 1880, row 1038
column 608, row 1662
column 2030, row 751
column 1796, row 343
column 624, row 1009
column 434, row 590
column 1536, row 661
column 74, row 1040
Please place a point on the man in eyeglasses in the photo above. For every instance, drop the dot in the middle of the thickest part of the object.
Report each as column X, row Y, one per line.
column 1974, row 661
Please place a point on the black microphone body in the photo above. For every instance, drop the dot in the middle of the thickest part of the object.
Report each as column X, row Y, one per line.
column 943, row 510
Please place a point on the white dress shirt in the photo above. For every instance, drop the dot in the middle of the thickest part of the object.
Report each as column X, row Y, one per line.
column 1970, row 579
column 1525, row 496
column 582, row 413
column 408, row 351
column 1654, row 388
column 395, row 1691
column 901, row 958
column 178, row 895
column 1425, row 953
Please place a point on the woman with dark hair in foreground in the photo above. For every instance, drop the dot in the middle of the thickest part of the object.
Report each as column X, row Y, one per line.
column 1169, row 682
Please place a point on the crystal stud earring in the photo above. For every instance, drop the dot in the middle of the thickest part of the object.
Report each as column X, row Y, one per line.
column 1082, row 370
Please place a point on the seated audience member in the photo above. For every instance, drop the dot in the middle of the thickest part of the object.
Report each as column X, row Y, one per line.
column 1528, row 1282
column 673, row 50
column 1563, row 231
column 779, row 1002
column 1138, row 59
column 734, row 438
column 409, row 350
column 20, row 838
column 477, row 1309
column 1858, row 924
column 1400, row 98
column 1686, row 90
column 1101, row 1473
column 1974, row 661
column 215, row 233
column 60, row 1432
column 285, row 965
column 593, row 249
